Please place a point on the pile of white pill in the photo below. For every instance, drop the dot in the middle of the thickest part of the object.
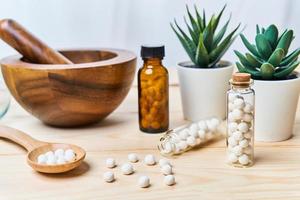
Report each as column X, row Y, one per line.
column 239, row 130
column 143, row 181
column 57, row 157
column 183, row 139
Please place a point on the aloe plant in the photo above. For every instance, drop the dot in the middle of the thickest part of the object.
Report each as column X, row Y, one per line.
column 268, row 59
column 202, row 43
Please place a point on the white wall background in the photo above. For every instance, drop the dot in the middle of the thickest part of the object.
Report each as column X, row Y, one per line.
column 130, row 23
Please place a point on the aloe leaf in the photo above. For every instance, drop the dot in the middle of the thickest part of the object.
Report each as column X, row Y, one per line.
column 193, row 21
column 294, row 55
column 286, row 71
column 272, row 35
column 253, row 60
column 199, row 19
column 267, row 71
column 249, row 46
column 202, row 58
column 257, row 29
column 244, row 60
column 208, row 35
column 254, row 73
column 189, row 47
column 220, row 50
column 263, row 30
column 204, row 19
column 192, row 33
column 276, row 57
column 217, row 20
column 285, row 41
column 263, row 46
column 220, row 34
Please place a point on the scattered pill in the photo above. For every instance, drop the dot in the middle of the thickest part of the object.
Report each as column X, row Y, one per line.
column 169, row 180
column 110, row 163
column 166, row 169
column 127, row 169
column 109, row 177
column 144, row 181
column 150, row 159
column 132, row 157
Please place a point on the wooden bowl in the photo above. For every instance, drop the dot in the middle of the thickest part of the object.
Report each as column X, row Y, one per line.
column 71, row 95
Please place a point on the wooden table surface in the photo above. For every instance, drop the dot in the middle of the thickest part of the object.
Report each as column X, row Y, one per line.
column 200, row 174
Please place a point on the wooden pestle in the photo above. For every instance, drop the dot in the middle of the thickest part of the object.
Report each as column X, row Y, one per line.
column 28, row 45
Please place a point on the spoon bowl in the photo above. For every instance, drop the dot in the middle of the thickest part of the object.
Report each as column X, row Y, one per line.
column 36, row 148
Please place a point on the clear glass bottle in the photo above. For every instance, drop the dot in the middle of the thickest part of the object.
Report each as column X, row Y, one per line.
column 240, row 121
column 184, row 138
column 153, row 91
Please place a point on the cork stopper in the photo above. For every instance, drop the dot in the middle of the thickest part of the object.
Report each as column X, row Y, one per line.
column 241, row 79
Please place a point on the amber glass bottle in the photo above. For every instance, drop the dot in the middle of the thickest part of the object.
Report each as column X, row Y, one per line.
column 153, row 90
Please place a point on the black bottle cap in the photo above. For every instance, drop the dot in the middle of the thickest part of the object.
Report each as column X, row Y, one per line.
column 148, row 51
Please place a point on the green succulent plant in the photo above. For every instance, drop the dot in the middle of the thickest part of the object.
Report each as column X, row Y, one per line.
column 202, row 43
column 268, row 59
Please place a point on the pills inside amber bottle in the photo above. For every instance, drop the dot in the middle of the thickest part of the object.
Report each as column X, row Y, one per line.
column 153, row 90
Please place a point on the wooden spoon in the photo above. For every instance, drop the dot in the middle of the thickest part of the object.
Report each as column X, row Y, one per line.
column 36, row 147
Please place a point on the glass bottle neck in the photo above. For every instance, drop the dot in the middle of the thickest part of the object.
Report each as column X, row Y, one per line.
column 240, row 88
column 152, row 61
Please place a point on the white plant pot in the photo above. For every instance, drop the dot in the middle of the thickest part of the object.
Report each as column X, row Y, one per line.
column 275, row 109
column 203, row 91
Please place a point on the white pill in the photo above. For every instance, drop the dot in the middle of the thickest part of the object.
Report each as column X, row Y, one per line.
column 169, row 180
column 211, row 126
column 230, row 117
column 163, row 162
column 232, row 158
column 243, row 127
column 237, row 135
column 202, row 125
column 110, row 163
column 168, row 148
column 201, row 134
column 244, row 159
column 144, row 181
column 230, row 106
column 108, row 177
column 60, row 160
column 191, row 141
column 166, row 169
column 59, row 152
column 248, row 108
column 231, row 97
column 248, row 117
column 184, row 134
column 150, row 159
column 194, row 132
column 182, row 145
column 49, row 153
column 237, row 114
column 248, row 135
column 132, row 157
column 232, row 142
column 232, row 126
column 69, row 155
column 127, row 169
column 237, row 150
column 248, row 150
column 193, row 127
column 51, row 159
column 42, row 159
column 239, row 103
column 244, row 143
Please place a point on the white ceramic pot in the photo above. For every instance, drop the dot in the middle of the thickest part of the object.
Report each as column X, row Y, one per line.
column 203, row 90
column 275, row 109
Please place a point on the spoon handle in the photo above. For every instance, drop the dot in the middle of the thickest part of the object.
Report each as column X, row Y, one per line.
column 20, row 138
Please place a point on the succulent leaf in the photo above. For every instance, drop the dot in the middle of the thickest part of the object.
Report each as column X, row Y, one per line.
column 192, row 33
column 249, row 46
column 208, row 35
column 285, row 41
column 216, row 21
column 202, row 57
column 220, row 34
column 193, row 21
column 272, row 35
column 254, row 73
column 276, row 57
column 244, row 60
column 267, row 70
column 290, row 58
column 287, row 71
column 199, row 19
column 263, row 46
column 255, row 62
column 257, row 29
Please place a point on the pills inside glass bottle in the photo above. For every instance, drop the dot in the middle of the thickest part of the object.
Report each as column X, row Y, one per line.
column 184, row 138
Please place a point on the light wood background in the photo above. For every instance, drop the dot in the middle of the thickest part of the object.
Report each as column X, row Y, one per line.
column 200, row 174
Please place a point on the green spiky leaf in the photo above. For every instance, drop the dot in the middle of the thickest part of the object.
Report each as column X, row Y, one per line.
column 220, row 34
column 202, row 58
column 244, row 60
column 249, row 46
